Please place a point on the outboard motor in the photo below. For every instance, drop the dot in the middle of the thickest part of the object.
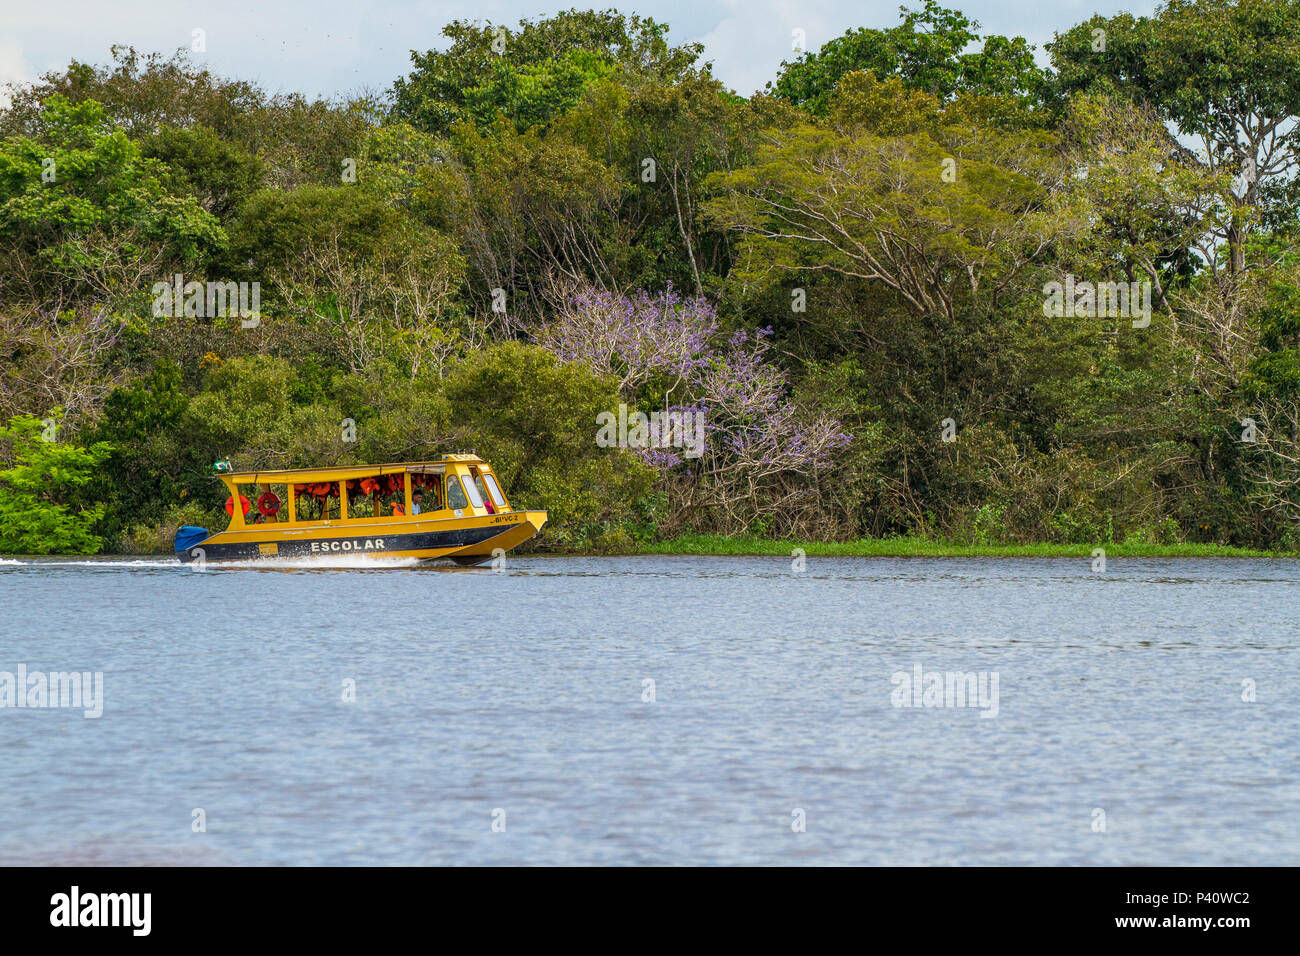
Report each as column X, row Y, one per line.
column 187, row 536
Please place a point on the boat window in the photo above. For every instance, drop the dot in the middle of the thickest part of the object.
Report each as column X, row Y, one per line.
column 498, row 499
column 475, row 498
column 317, row 501
column 392, row 495
column 269, row 503
column 455, row 494
column 375, row 496
column 363, row 498
column 431, row 486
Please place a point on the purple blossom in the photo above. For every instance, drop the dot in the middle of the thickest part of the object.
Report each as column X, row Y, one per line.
column 752, row 429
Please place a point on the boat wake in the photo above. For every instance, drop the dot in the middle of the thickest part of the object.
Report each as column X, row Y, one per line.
column 308, row 563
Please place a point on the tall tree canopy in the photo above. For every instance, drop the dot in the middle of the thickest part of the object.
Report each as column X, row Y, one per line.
column 931, row 50
column 534, row 72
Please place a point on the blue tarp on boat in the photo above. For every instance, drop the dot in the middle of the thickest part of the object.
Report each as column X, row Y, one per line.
column 188, row 536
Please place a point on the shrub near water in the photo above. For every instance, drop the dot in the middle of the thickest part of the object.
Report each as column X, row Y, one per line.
column 158, row 538
column 532, row 417
column 37, row 490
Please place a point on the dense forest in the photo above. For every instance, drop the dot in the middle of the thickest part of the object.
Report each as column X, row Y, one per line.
column 918, row 285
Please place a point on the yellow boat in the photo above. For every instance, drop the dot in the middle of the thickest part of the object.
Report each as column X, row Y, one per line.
column 452, row 508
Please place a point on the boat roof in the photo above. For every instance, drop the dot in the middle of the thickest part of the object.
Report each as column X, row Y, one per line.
column 344, row 472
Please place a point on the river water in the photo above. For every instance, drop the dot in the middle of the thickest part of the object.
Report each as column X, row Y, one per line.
column 654, row 710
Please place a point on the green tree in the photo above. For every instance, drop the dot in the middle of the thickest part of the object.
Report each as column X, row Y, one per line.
column 153, row 460
column 525, row 208
column 36, row 489
column 219, row 174
column 1225, row 72
column 928, row 51
column 139, row 94
column 83, row 212
column 947, row 217
column 349, row 261
column 297, row 140
column 534, row 418
column 688, row 128
column 533, row 73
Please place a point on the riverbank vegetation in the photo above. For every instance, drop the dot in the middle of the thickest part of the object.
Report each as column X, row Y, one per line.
column 918, row 289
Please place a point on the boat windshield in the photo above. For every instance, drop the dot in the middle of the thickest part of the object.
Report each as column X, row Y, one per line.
column 490, row 480
column 455, row 494
column 472, row 490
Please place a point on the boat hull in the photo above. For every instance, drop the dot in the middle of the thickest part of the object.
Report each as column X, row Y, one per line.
column 465, row 540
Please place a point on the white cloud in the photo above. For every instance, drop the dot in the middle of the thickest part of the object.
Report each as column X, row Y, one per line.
column 14, row 67
column 750, row 43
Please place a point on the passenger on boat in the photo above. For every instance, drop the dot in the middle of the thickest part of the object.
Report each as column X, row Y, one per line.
column 416, row 497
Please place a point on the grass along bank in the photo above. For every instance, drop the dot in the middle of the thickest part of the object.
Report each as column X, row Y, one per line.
column 930, row 548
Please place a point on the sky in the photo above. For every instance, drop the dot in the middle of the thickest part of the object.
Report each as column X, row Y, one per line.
column 339, row 47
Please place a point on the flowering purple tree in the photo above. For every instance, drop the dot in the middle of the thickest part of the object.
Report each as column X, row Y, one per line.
column 666, row 352
column 635, row 339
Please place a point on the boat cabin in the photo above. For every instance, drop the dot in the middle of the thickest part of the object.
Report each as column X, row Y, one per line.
column 456, row 486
